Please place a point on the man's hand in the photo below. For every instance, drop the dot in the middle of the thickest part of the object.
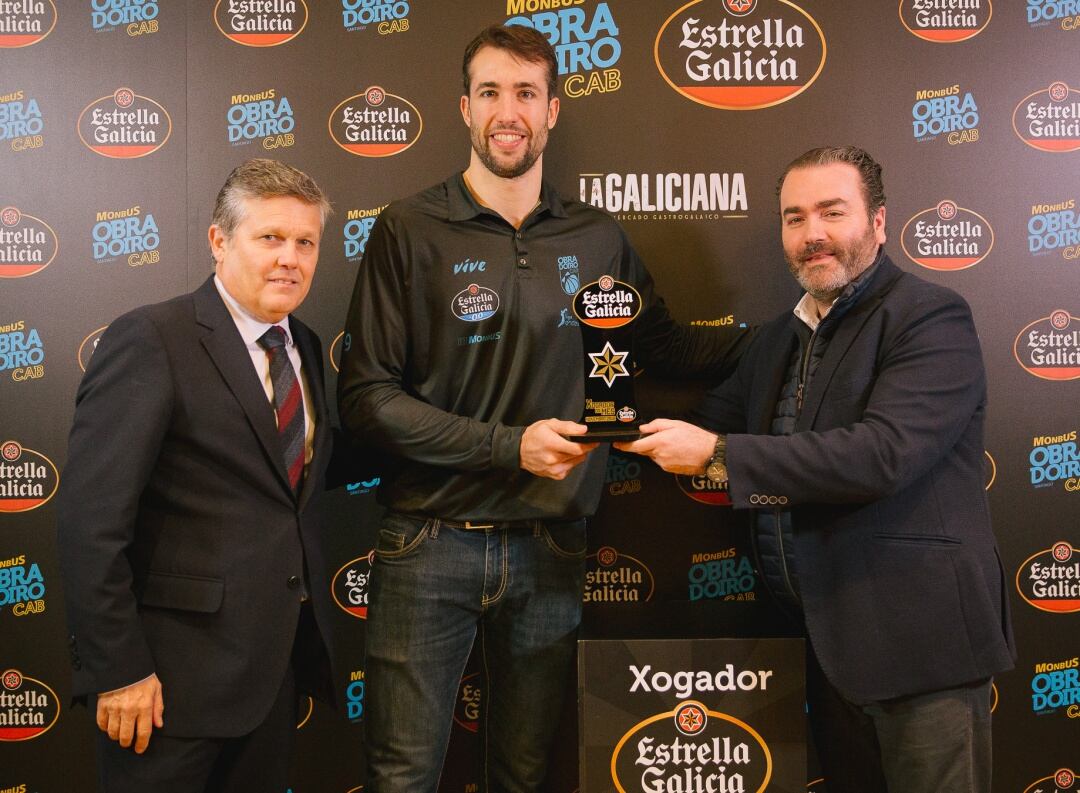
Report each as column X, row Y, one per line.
column 675, row 446
column 132, row 712
column 545, row 452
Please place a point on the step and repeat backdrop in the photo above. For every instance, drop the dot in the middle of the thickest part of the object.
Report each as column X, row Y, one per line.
column 119, row 120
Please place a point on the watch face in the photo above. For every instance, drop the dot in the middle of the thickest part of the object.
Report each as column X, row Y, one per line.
column 716, row 472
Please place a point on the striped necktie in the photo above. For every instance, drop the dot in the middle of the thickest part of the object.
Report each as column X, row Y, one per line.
column 288, row 403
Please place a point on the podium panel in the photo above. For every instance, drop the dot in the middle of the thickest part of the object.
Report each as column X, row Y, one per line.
column 692, row 715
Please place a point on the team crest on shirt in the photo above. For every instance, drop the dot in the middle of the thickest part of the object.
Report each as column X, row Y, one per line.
column 569, row 275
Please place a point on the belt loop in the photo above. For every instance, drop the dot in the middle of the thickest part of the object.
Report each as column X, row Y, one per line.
column 434, row 533
column 536, row 527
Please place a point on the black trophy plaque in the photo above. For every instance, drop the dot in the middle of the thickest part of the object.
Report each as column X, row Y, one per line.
column 606, row 310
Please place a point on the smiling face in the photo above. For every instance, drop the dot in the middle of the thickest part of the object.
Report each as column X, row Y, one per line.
column 269, row 259
column 508, row 112
column 828, row 234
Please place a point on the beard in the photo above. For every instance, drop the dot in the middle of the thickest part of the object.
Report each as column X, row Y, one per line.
column 511, row 169
column 825, row 283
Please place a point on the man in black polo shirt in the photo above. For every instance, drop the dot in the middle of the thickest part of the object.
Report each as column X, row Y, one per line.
column 463, row 361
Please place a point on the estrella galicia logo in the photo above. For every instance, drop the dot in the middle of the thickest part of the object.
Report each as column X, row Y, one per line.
column 613, row 577
column 262, row 115
column 1047, row 349
column 131, row 233
column 25, row 23
column 740, row 54
column 22, row 586
column 350, row 585
column 467, row 706
column 260, row 23
column 136, row 16
column 945, row 111
column 124, row 125
column 88, row 346
column 1050, row 579
column 358, row 226
column 335, row 351
column 28, row 478
column 389, row 16
column 21, row 121
column 30, row 707
column 1054, row 227
column 375, row 123
column 1049, row 119
column 704, row 490
column 475, row 303
column 1055, row 687
column 569, row 274
column 1061, row 781
column 947, row 237
column 586, row 46
column 726, row 751
column 27, row 244
column 941, row 24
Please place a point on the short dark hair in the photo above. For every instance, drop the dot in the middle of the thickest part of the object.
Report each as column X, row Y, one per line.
column 264, row 178
column 522, row 42
column 868, row 168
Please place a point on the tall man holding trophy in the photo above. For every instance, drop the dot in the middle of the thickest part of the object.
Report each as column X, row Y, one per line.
column 473, row 380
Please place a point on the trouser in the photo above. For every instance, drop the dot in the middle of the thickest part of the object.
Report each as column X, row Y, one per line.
column 435, row 586
column 938, row 742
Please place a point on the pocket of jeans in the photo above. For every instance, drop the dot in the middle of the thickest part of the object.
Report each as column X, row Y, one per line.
column 399, row 537
column 565, row 539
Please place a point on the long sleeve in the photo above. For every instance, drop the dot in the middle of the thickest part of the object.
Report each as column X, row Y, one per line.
column 373, row 400
column 122, row 414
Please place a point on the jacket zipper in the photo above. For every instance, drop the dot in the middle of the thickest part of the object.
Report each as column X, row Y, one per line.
column 804, row 369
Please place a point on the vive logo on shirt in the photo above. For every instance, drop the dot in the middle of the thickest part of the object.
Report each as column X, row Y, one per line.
column 470, row 265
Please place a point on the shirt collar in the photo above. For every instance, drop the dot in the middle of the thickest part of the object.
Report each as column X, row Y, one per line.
column 462, row 206
column 251, row 329
column 806, row 310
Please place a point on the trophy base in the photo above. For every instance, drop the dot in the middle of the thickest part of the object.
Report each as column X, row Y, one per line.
column 606, row 436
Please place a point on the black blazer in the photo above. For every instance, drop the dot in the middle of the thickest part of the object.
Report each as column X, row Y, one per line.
column 182, row 546
column 902, row 586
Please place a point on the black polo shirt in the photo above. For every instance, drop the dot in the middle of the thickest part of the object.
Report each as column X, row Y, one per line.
column 460, row 335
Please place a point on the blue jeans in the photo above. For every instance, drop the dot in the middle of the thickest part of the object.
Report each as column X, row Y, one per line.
column 434, row 585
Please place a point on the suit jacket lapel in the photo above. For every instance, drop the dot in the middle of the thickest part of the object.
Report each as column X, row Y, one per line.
column 226, row 349
column 848, row 329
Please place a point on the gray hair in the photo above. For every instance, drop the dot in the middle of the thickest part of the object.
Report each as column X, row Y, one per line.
column 264, row 178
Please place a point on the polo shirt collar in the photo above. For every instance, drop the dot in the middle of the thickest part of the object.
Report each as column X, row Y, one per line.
column 462, row 206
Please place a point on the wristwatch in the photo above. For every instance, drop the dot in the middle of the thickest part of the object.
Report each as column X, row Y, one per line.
column 715, row 468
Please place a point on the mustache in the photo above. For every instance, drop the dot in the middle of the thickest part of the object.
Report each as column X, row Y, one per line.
column 813, row 249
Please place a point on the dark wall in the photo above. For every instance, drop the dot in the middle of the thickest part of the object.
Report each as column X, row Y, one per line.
column 106, row 197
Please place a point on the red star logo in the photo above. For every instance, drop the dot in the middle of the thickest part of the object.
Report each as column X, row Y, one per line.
column 740, row 6
column 690, row 720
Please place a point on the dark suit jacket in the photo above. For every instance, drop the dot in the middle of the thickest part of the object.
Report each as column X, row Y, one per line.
column 902, row 586
column 181, row 543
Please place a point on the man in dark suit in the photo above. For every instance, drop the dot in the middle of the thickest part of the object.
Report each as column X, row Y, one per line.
column 854, row 429
column 188, row 527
